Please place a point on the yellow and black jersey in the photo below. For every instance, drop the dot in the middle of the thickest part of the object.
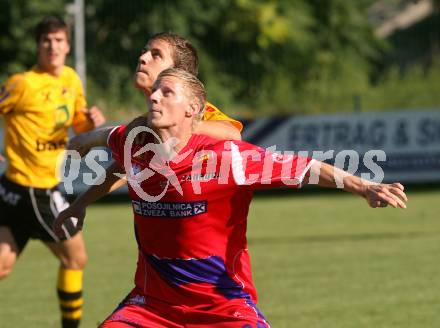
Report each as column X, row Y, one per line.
column 38, row 109
column 212, row 113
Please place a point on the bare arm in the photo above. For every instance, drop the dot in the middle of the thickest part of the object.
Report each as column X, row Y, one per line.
column 376, row 194
column 112, row 182
column 78, row 208
column 222, row 130
column 84, row 141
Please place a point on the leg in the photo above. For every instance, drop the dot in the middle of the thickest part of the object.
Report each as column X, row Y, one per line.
column 71, row 252
column 69, row 249
column 8, row 251
column 29, row 213
column 73, row 258
column 14, row 232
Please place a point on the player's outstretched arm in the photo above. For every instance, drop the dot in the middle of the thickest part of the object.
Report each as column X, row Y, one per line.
column 77, row 209
column 222, row 130
column 111, row 182
column 83, row 142
column 376, row 194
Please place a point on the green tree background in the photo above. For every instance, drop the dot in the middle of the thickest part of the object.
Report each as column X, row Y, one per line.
column 257, row 57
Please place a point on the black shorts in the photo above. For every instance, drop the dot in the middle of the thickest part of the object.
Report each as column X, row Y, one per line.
column 30, row 212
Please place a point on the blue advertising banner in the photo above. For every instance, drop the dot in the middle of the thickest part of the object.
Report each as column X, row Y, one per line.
column 410, row 140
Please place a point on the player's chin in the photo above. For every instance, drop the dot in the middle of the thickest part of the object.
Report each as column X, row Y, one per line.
column 56, row 62
column 155, row 123
column 141, row 81
column 158, row 123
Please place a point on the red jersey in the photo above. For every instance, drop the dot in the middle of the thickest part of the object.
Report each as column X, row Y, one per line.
column 191, row 214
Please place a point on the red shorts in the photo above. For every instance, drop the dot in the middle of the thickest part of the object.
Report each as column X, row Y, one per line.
column 138, row 311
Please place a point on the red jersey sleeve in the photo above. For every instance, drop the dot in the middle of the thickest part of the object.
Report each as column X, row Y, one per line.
column 116, row 141
column 260, row 168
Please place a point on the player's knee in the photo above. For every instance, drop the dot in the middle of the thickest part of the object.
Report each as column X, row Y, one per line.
column 5, row 272
column 8, row 253
column 76, row 262
column 82, row 261
column 6, row 268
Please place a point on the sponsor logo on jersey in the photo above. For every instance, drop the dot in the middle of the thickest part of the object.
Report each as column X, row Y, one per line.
column 9, row 197
column 41, row 145
column 200, row 177
column 136, row 300
column 170, row 209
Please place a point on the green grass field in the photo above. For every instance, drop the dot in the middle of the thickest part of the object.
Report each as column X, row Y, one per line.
column 319, row 261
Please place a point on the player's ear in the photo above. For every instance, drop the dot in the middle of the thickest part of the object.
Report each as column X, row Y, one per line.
column 188, row 111
column 193, row 109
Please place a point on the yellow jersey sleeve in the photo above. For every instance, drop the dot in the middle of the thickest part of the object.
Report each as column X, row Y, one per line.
column 212, row 113
column 11, row 93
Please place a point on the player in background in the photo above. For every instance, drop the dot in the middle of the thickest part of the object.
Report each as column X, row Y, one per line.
column 162, row 51
column 166, row 50
column 39, row 106
column 193, row 266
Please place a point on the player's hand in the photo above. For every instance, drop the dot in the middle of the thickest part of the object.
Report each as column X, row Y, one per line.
column 140, row 138
column 80, row 143
column 95, row 115
column 382, row 195
column 2, row 159
column 78, row 212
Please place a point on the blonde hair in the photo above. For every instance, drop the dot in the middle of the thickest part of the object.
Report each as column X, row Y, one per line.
column 192, row 85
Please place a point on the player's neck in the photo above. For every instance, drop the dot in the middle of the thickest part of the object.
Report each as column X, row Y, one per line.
column 181, row 137
column 54, row 71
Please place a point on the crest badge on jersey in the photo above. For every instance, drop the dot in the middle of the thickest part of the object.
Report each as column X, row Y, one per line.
column 136, row 169
column 203, row 157
column 279, row 158
column 62, row 115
